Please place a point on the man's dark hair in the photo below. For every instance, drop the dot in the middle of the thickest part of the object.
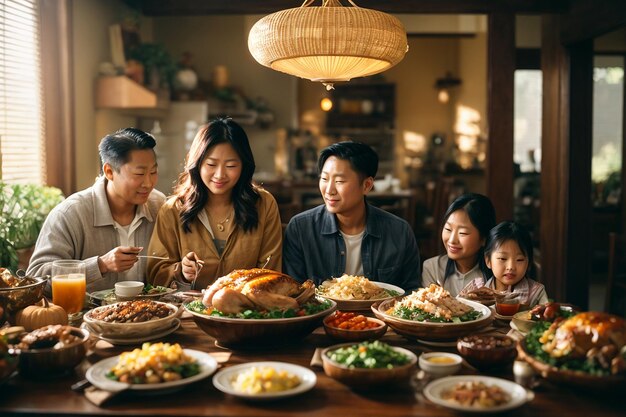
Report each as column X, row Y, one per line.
column 363, row 159
column 115, row 148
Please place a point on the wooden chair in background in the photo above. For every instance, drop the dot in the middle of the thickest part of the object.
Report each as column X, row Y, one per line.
column 615, row 301
column 438, row 196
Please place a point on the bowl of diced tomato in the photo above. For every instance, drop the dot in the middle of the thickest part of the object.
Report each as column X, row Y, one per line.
column 351, row 326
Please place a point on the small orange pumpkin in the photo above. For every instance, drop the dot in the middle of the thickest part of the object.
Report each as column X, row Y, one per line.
column 41, row 314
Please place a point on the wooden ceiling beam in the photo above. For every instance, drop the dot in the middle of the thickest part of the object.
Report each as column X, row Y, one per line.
column 586, row 19
column 207, row 7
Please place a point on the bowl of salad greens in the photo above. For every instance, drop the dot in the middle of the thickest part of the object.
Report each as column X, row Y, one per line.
column 368, row 364
column 253, row 327
column 414, row 323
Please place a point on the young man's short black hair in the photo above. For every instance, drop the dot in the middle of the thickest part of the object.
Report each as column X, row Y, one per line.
column 363, row 159
column 115, row 148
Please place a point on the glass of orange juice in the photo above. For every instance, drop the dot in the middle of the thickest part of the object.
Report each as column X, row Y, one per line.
column 69, row 287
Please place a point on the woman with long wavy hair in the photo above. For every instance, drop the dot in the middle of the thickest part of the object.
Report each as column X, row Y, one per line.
column 217, row 220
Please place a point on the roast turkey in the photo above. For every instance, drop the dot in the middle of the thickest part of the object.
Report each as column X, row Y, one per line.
column 262, row 289
column 598, row 336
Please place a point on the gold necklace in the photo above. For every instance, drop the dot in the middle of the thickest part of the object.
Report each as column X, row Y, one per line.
column 221, row 226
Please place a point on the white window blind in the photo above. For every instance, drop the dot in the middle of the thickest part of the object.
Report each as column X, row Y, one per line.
column 21, row 126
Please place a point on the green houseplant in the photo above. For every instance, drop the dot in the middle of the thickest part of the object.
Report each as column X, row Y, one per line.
column 23, row 209
column 159, row 66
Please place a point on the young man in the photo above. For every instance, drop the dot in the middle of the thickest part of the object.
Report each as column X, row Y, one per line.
column 346, row 234
column 108, row 224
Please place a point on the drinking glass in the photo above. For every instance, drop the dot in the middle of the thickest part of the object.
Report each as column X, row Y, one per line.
column 69, row 287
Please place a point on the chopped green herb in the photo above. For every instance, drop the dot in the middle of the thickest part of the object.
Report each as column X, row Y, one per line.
column 418, row 314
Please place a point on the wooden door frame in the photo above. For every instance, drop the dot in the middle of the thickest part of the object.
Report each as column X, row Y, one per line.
column 500, row 102
column 566, row 212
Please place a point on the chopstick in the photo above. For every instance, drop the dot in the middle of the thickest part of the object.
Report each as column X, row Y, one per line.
column 153, row 257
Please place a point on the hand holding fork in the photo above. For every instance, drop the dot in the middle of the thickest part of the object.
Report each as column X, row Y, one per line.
column 192, row 265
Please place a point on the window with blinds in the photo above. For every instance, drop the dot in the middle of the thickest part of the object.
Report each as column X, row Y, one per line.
column 21, row 126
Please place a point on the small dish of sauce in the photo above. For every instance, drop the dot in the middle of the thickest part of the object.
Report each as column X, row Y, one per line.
column 507, row 309
column 441, row 359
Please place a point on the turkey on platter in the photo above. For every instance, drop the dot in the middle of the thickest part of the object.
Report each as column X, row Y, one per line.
column 257, row 288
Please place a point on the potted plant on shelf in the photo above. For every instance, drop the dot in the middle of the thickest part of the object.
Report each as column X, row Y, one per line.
column 23, row 209
column 159, row 66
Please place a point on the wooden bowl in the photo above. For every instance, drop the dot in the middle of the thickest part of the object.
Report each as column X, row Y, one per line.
column 435, row 332
column 356, row 335
column 51, row 361
column 485, row 351
column 577, row 379
column 368, row 378
column 248, row 333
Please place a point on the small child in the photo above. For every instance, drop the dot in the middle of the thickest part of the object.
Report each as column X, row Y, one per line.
column 509, row 255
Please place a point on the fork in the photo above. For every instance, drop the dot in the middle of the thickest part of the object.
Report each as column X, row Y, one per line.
column 199, row 265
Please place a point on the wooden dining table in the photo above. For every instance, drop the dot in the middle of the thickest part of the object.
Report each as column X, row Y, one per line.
column 53, row 396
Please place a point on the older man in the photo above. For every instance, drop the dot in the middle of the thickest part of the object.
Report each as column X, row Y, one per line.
column 108, row 224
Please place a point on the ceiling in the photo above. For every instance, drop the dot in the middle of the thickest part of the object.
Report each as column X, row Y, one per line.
column 206, row 7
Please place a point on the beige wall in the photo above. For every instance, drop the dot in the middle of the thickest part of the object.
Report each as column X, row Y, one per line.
column 91, row 19
column 417, row 108
column 223, row 40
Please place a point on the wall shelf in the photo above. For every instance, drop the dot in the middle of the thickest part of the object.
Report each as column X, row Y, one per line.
column 121, row 92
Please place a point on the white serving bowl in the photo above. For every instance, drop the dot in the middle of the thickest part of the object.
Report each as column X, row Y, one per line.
column 439, row 369
column 128, row 288
column 352, row 305
column 130, row 330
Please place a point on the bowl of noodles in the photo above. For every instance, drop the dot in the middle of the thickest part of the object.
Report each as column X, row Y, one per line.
column 352, row 292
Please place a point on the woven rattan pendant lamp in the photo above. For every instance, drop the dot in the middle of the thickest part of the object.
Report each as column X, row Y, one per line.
column 330, row 43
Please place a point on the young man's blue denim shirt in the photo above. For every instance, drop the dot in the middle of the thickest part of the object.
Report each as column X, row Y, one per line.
column 314, row 248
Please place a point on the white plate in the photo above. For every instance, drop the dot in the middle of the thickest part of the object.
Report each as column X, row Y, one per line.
column 133, row 340
column 519, row 395
column 97, row 374
column 514, row 327
column 348, row 305
column 109, row 295
column 223, row 380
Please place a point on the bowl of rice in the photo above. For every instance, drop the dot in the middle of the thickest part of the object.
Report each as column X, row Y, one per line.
column 352, row 292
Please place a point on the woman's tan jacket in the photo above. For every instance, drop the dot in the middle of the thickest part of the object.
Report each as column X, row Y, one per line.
column 243, row 249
